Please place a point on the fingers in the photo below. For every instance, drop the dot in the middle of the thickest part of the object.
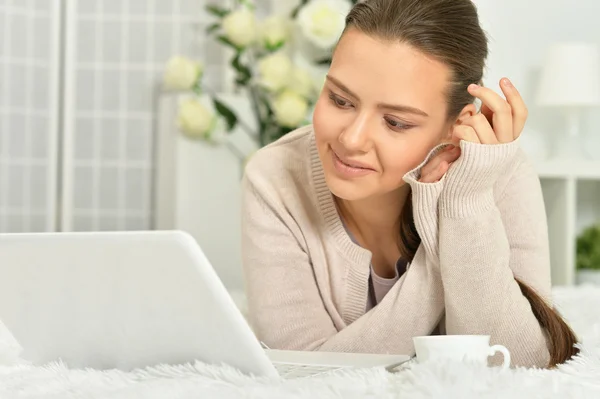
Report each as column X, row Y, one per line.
column 482, row 128
column 517, row 104
column 465, row 132
column 439, row 164
column 487, row 112
column 436, row 174
column 502, row 111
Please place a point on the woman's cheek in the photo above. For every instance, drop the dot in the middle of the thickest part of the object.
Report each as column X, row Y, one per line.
column 328, row 121
column 413, row 152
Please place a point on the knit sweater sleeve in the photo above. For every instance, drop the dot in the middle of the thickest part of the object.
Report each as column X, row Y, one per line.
column 286, row 307
column 485, row 242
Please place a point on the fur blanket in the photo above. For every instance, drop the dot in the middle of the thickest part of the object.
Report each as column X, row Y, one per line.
column 579, row 378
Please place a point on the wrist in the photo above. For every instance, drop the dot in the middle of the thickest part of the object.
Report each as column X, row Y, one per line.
column 469, row 184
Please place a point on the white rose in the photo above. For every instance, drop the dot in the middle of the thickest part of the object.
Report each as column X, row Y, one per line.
column 182, row 73
column 275, row 71
column 322, row 21
column 302, row 82
column 240, row 27
column 290, row 109
column 195, row 120
column 274, row 32
column 218, row 134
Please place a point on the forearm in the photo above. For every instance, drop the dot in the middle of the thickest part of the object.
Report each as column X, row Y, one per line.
column 479, row 253
column 480, row 291
column 413, row 307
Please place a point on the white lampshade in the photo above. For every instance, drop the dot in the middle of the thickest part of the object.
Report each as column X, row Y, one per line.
column 570, row 76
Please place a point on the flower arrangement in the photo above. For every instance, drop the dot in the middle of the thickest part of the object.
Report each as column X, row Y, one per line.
column 277, row 62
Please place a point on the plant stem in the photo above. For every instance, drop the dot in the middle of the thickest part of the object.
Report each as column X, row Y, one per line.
column 255, row 101
column 235, row 151
column 240, row 121
column 297, row 9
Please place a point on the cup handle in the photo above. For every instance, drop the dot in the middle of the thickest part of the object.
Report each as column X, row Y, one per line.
column 502, row 349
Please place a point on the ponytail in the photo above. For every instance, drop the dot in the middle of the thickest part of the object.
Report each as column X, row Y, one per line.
column 561, row 338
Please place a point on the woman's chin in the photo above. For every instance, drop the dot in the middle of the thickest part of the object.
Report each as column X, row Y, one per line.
column 347, row 190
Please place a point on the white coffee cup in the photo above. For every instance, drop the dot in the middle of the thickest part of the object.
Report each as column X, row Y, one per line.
column 469, row 348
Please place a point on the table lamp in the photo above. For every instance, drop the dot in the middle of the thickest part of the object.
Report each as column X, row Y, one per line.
column 570, row 82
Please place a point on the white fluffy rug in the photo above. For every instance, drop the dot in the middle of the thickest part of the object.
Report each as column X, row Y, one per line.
column 577, row 379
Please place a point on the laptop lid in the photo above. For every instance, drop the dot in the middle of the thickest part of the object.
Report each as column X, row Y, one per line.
column 121, row 300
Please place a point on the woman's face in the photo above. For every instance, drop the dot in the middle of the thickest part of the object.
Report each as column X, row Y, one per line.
column 381, row 110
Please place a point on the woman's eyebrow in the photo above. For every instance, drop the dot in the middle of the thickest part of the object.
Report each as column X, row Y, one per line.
column 399, row 108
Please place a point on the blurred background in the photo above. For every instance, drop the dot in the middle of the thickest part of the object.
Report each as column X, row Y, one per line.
column 140, row 114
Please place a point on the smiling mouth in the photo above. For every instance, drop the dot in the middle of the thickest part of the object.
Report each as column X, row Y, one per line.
column 350, row 165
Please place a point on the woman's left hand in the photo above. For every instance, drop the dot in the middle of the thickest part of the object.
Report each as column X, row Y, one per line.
column 500, row 121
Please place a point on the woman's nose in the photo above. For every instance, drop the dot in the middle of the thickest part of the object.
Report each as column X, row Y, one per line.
column 356, row 136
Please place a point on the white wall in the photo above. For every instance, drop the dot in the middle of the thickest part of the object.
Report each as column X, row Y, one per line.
column 520, row 32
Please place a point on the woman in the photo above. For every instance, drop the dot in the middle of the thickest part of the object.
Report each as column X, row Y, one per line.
column 370, row 227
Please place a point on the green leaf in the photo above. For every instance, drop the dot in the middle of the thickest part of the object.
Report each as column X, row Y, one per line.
column 226, row 113
column 283, row 131
column 324, row 61
column 211, row 28
column 297, row 9
column 226, row 41
column 236, row 63
column 274, row 47
column 267, row 104
column 244, row 74
column 248, row 4
column 197, row 88
column 217, row 11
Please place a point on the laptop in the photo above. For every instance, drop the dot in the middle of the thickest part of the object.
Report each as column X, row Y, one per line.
column 129, row 300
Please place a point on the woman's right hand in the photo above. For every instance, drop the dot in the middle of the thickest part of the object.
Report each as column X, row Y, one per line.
column 437, row 166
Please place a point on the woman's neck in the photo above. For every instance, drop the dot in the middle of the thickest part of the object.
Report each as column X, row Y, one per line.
column 374, row 218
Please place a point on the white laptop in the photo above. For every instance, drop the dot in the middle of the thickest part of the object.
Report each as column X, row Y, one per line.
column 135, row 299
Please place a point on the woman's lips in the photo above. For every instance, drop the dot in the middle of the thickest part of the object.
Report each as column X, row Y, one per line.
column 350, row 168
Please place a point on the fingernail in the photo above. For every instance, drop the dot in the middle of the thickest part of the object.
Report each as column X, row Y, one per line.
column 473, row 86
column 507, row 83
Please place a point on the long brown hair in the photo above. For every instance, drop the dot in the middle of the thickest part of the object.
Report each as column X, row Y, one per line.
column 449, row 31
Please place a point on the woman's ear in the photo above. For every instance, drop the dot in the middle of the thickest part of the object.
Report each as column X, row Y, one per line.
column 467, row 112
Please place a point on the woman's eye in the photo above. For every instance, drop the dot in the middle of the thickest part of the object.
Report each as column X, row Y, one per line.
column 340, row 102
column 394, row 124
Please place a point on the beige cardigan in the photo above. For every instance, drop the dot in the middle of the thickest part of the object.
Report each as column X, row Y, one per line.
column 482, row 225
